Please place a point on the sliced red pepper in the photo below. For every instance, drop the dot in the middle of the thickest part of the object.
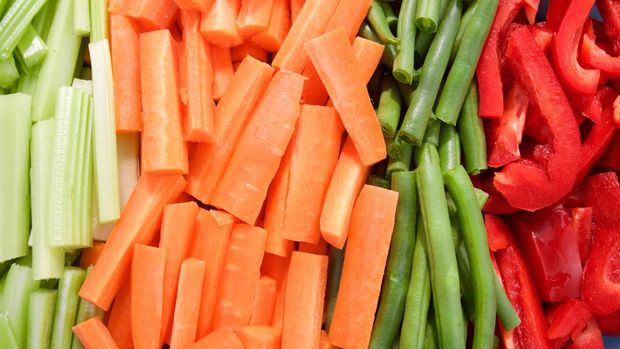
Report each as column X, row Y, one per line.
column 536, row 127
column 567, row 319
column 591, row 338
column 542, row 35
column 496, row 203
column 582, row 225
column 592, row 56
column 601, row 276
column 555, row 13
column 610, row 11
column 531, row 8
column 616, row 111
column 549, row 181
column 611, row 158
column 504, row 135
column 602, row 193
column 498, row 232
column 610, row 324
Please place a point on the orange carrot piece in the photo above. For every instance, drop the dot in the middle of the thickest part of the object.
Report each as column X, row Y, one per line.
column 163, row 149
column 138, row 224
column 271, row 39
column 315, row 148
column 314, row 91
column 211, row 238
column 264, row 301
column 349, row 14
column 222, row 338
column 254, row 16
column 324, row 343
column 335, row 61
column 296, row 6
column 147, row 290
column 125, row 49
column 219, row 24
column 235, row 66
column 238, row 53
column 278, row 310
column 187, row 304
column 176, row 236
column 157, row 14
column 319, row 248
column 260, row 337
column 240, row 276
column 372, row 222
column 94, row 335
column 194, row 5
column 223, row 72
column 91, row 255
column 209, row 161
column 255, row 161
column 119, row 321
column 276, row 267
column 303, row 301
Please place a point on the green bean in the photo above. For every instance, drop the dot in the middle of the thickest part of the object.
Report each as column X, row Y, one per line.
column 420, row 109
column 374, row 86
column 423, row 42
column 378, row 181
column 427, row 15
column 464, row 66
column 390, row 15
column 404, row 63
column 378, row 21
column 389, row 52
column 431, row 332
column 403, row 161
column 467, row 292
column 398, row 270
column 482, row 197
column 467, row 16
column 505, row 311
column 394, row 147
column 471, row 132
column 431, row 136
column 406, row 92
column 441, row 251
column 334, row 272
column 495, row 342
column 449, row 148
column 389, row 107
column 474, row 236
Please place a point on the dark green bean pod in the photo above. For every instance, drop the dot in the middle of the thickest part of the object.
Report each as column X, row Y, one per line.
column 427, row 16
column 423, row 42
column 403, row 161
column 431, row 333
column 378, row 21
column 467, row 292
column 404, row 65
column 505, row 311
column 449, row 148
column 334, row 272
column 471, row 132
column 390, row 104
column 467, row 16
column 389, row 52
column 378, row 181
column 430, row 137
column 390, row 15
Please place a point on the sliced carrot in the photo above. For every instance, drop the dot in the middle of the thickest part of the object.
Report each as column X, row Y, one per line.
column 187, row 304
column 334, row 60
column 147, row 290
column 235, row 66
column 91, row 255
column 315, row 150
column 324, row 343
column 219, row 24
column 319, row 248
column 176, row 236
column 211, row 238
column 276, row 267
column 237, row 286
column 223, row 72
column 125, row 49
column 194, row 5
column 163, row 149
column 138, row 224
column 94, row 335
column 303, row 301
column 296, row 6
column 222, row 338
column 372, row 222
column 278, row 310
column 119, row 321
column 260, row 337
column 254, row 16
column 314, row 91
column 264, row 301
column 349, row 14
column 157, row 14
column 238, row 53
column 255, row 161
column 232, row 113
column 271, row 39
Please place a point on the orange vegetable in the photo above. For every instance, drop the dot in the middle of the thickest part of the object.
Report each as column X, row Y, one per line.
column 91, row 255
column 147, row 289
column 119, row 321
column 319, row 248
column 187, row 304
column 314, row 91
column 278, row 310
column 223, row 72
column 349, row 14
column 260, row 337
column 372, row 222
column 237, row 286
column 176, row 237
column 238, row 53
column 163, row 148
column 272, row 38
column 303, row 301
column 276, row 267
column 209, row 161
column 125, row 50
column 264, row 301
column 296, row 6
column 94, row 335
column 243, row 187
column 156, row 14
column 254, row 16
column 324, row 343
column 138, row 224
column 194, row 5
column 222, row 338
column 311, row 22
column 219, row 24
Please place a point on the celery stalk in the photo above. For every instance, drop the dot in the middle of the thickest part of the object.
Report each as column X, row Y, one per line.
column 66, row 308
column 84, row 85
column 31, row 49
column 15, row 22
column 8, row 72
column 3, row 4
column 99, row 26
column 7, row 337
column 14, row 183
column 86, row 311
column 19, row 285
column 43, row 20
column 81, row 17
column 41, row 318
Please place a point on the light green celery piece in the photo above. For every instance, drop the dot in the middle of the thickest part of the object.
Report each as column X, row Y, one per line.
column 99, row 26
column 43, row 20
column 15, row 22
column 84, row 85
column 59, row 65
column 86, row 311
column 19, row 285
column 7, row 337
column 47, row 261
column 81, row 17
column 82, row 232
column 8, row 72
column 105, row 153
column 14, row 179
column 41, row 318
column 3, row 4
column 66, row 308
column 31, row 49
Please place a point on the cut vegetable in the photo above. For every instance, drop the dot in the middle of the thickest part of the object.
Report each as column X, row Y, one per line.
column 41, row 318
column 94, row 335
column 19, row 285
column 219, row 24
column 187, row 303
column 147, row 289
column 67, row 302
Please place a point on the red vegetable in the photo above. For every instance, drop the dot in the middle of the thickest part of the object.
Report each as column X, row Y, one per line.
column 595, row 57
column 610, row 324
column 602, row 193
column 591, row 338
column 582, row 225
column 565, row 319
column 611, row 158
column 555, row 13
column 497, row 232
column 610, row 11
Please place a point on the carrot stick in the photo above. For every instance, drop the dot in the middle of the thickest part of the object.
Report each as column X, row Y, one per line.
column 211, row 238
column 275, row 267
column 176, row 236
column 372, row 222
column 243, row 187
column 240, row 276
column 138, row 223
column 91, row 255
column 271, row 39
column 163, row 148
column 222, row 338
column 264, row 301
column 296, row 6
column 278, row 310
column 303, row 301
column 254, row 16
column 238, row 53
column 157, row 14
column 311, row 22
column 94, row 335
column 147, row 289
column 219, row 24
column 187, row 304
column 120, row 317
column 260, row 337
column 194, row 5
column 209, row 161
column 125, row 34
column 319, row 248
column 314, row 91
column 324, row 343
column 349, row 14
column 223, row 72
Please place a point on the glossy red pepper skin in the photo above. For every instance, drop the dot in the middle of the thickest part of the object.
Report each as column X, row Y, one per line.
column 555, row 13
column 602, row 193
column 543, row 35
column 496, row 203
column 611, row 158
column 609, row 324
column 601, row 276
column 594, row 57
column 596, row 143
column 565, row 319
column 581, row 218
column 498, row 233
column 610, row 11
column 590, row 338
column 504, row 135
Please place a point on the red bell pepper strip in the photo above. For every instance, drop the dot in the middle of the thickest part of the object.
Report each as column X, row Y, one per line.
column 616, row 111
column 551, row 180
column 542, row 35
column 611, row 158
column 566, row 319
column 582, row 225
column 565, row 48
column 498, row 233
column 555, row 13
column 531, row 8
column 610, row 324
column 591, row 338
column 610, row 11
column 496, row 203
column 592, row 56
column 602, row 193
column 504, row 135
column 601, row 279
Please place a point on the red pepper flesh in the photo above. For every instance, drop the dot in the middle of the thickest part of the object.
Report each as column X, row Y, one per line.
column 602, row 193
column 505, row 134
column 601, row 276
column 610, row 11
column 610, row 324
column 498, row 232
column 582, row 225
column 591, row 338
column 592, row 56
column 567, row 318
column 611, row 158
column 555, row 13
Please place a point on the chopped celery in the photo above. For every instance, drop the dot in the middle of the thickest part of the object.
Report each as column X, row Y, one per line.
column 84, row 85
column 99, row 28
column 43, row 20
column 48, row 261
column 15, row 22
column 7, row 337
column 8, row 72
column 41, row 318
column 86, row 73
column 3, row 4
column 66, row 308
column 19, row 285
column 86, row 310
column 81, row 17
column 31, row 49
column 14, row 181
column 105, row 156
column 59, row 65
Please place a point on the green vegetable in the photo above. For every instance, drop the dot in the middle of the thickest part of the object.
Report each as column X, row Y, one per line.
column 7, row 337
column 404, row 68
column 389, row 107
column 8, row 73
column 402, row 162
column 378, row 21
column 481, row 197
column 41, row 318
column 66, row 307
column 98, row 20
column 334, row 272
column 86, row 311
column 15, row 22
column 378, row 181
column 449, row 148
column 427, row 15
column 431, row 332
column 431, row 136
column 390, row 15
column 81, row 17
column 31, row 49
column 19, row 285
column 423, row 42
column 467, row 16
column 505, row 311
column 467, row 292
column 389, row 52
column 471, row 132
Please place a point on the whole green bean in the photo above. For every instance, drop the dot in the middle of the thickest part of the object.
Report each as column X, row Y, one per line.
column 505, row 311
column 398, row 270
column 334, row 272
column 419, row 111
column 389, row 52
column 390, row 105
column 66, row 307
column 449, row 148
column 390, row 15
column 431, row 136
column 471, row 132
column 467, row 16
column 403, row 161
column 423, row 42
column 378, row 181
column 431, row 333
column 378, row 21
column 427, row 15
column 442, row 257
column 404, row 63
column 474, row 236
column 464, row 66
